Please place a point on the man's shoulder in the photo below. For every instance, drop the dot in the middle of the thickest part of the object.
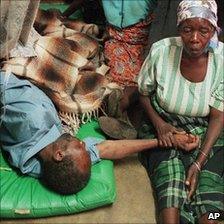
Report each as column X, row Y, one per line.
column 92, row 140
column 91, row 147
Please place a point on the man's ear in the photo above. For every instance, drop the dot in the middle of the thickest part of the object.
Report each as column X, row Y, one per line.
column 58, row 155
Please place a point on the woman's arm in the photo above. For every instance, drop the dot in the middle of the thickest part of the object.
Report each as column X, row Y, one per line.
column 164, row 130
column 215, row 127
column 151, row 113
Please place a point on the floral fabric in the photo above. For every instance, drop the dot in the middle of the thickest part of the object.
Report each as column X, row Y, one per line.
column 125, row 52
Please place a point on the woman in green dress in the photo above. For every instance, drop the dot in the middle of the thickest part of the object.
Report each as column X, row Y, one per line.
column 181, row 86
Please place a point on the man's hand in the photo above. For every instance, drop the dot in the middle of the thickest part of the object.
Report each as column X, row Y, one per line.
column 192, row 180
column 187, row 142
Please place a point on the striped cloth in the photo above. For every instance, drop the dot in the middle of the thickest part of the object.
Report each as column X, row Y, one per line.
column 167, row 170
column 161, row 73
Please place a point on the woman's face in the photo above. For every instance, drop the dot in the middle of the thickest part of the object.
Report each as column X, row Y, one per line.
column 196, row 34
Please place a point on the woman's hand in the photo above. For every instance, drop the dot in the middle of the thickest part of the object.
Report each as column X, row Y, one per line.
column 165, row 135
column 192, row 180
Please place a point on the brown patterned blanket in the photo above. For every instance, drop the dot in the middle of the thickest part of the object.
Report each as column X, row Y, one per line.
column 68, row 67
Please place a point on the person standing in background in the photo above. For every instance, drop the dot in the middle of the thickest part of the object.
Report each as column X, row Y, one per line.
column 128, row 24
column 128, row 29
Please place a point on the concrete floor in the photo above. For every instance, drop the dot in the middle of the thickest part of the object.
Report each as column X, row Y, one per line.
column 134, row 203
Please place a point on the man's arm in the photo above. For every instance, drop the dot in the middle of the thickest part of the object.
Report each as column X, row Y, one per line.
column 118, row 149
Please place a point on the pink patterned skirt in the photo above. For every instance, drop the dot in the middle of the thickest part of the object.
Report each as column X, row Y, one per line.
column 125, row 51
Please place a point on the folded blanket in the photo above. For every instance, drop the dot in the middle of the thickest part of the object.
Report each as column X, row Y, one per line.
column 52, row 23
column 70, row 71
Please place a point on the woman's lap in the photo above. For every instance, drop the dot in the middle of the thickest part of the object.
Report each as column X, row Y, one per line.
column 167, row 172
column 167, row 169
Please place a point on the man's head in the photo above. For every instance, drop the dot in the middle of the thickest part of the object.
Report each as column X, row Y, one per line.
column 65, row 165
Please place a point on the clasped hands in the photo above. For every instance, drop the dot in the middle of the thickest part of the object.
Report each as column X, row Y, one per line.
column 169, row 136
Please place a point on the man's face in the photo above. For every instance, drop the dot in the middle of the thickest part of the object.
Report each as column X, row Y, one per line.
column 77, row 150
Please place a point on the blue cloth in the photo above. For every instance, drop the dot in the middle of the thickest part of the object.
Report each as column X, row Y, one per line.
column 124, row 13
column 90, row 143
column 28, row 123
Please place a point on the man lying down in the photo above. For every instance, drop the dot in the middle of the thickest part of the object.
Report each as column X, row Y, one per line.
column 31, row 134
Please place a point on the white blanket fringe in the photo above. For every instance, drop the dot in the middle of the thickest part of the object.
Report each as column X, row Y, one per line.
column 71, row 121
